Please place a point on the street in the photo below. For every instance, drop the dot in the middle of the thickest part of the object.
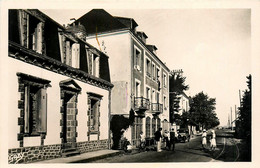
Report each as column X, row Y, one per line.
column 227, row 150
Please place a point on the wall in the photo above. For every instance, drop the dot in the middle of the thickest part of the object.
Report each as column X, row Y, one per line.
column 53, row 106
column 118, row 48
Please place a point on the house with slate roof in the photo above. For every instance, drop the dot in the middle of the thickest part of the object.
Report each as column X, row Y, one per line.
column 139, row 76
column 59, row 90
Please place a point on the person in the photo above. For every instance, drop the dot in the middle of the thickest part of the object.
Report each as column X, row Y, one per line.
column 142, row 141
column 158, row 136
column 172, row 140
column 166, row 139
column 204, row 139
column 213, row 144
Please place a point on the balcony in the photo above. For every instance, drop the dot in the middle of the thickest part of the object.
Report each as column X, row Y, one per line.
column 141, row 103
column 156, row 108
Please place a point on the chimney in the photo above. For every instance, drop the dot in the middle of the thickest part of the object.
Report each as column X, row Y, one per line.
column 152, row 48
column 142, row 36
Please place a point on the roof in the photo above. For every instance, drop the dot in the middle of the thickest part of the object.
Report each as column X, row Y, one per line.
column 129, row 22
column 98, row 20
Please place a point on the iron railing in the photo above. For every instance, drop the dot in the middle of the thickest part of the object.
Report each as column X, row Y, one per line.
column 141, row 103
column 157, row 107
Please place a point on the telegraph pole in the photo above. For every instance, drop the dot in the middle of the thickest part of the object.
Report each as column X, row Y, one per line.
column 231, row 118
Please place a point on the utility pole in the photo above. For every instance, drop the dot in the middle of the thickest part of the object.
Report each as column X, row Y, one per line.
column 235, row 112
column 240, row 97
column 231, row 118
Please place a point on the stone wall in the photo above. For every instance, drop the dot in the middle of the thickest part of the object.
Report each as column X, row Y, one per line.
column 89, row 146
column 36, row 153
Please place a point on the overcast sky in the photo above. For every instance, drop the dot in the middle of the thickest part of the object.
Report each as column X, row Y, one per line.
column 212, row 46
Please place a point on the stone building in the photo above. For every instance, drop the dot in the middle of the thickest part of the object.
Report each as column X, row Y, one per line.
column 59, row 90
column 139, row 76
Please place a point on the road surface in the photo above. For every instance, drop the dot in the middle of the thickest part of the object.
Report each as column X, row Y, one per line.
column 227, row 150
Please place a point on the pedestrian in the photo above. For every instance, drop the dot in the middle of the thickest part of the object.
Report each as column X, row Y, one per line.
column 204, row 139
column 158, row 139
column 142, row 141
column 166, row 139
column 213, row 143
column 172, row 140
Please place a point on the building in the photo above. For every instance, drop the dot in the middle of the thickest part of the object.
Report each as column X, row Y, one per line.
column 59, row 90
column 184, row 103
column 140, row 78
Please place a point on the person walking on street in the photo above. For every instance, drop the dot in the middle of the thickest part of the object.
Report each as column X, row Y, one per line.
column 158, row 138
column 172, row 140
column 166, row 138
column 142, row 141
column 213, row 143
column 204, row 139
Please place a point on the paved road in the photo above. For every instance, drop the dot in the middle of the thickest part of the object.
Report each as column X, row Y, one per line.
column 184, row 152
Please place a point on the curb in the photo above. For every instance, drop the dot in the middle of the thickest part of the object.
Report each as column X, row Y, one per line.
column 97, row 157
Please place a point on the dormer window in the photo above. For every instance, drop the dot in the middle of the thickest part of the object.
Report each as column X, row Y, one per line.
column 31, row 32
column 95, row 65
column 93, row 62
column 69, row 50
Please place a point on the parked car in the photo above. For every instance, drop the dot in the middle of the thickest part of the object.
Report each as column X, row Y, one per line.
column 183, row 135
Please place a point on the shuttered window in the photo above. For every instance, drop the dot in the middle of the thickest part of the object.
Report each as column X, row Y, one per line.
column 35, row 114
column 31, row 31
column 33, row 105
column 93, row 113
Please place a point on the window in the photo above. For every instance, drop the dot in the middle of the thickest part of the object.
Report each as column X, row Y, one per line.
column 137, row 88
column 153, row 96
column 164, row 80
column 35, row 104
column 157, row 74
column 93, row 116
column 31, row 32
column 35, row 110
column 94, row 113
column 148, row 67
column 148, row 125
column 157, row 97
column 95, row 65
column 153, row 71
column 137, row 56
column 164, row 102
column 148, row 93
column 153, row 126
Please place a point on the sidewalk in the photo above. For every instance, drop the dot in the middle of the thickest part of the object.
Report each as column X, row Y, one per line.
column 84, row 157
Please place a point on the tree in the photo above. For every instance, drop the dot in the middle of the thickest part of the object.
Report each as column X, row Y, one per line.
column 177, row 86
column 202, row 111
column 243, row 125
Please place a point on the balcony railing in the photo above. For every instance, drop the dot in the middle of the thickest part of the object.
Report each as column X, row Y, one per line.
column 141, row 103
column 156, row 108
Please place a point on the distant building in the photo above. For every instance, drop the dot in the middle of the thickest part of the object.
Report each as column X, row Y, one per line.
column 58, row 90
column 140, row 78
column 184, row 103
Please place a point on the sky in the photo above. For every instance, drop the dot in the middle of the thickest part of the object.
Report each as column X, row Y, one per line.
column 211, row 46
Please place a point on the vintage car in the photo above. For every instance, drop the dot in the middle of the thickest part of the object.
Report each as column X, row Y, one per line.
column 183, row 135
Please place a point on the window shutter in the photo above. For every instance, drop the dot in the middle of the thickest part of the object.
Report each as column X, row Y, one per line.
column 75, row 55
column 39, row 37
column 42, row 111
column 68, row 53
column 26, row 109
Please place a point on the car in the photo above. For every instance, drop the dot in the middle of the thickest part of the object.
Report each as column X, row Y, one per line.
column 183, row 135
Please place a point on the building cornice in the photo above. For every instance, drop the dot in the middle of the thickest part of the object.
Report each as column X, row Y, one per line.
column 29, row 56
